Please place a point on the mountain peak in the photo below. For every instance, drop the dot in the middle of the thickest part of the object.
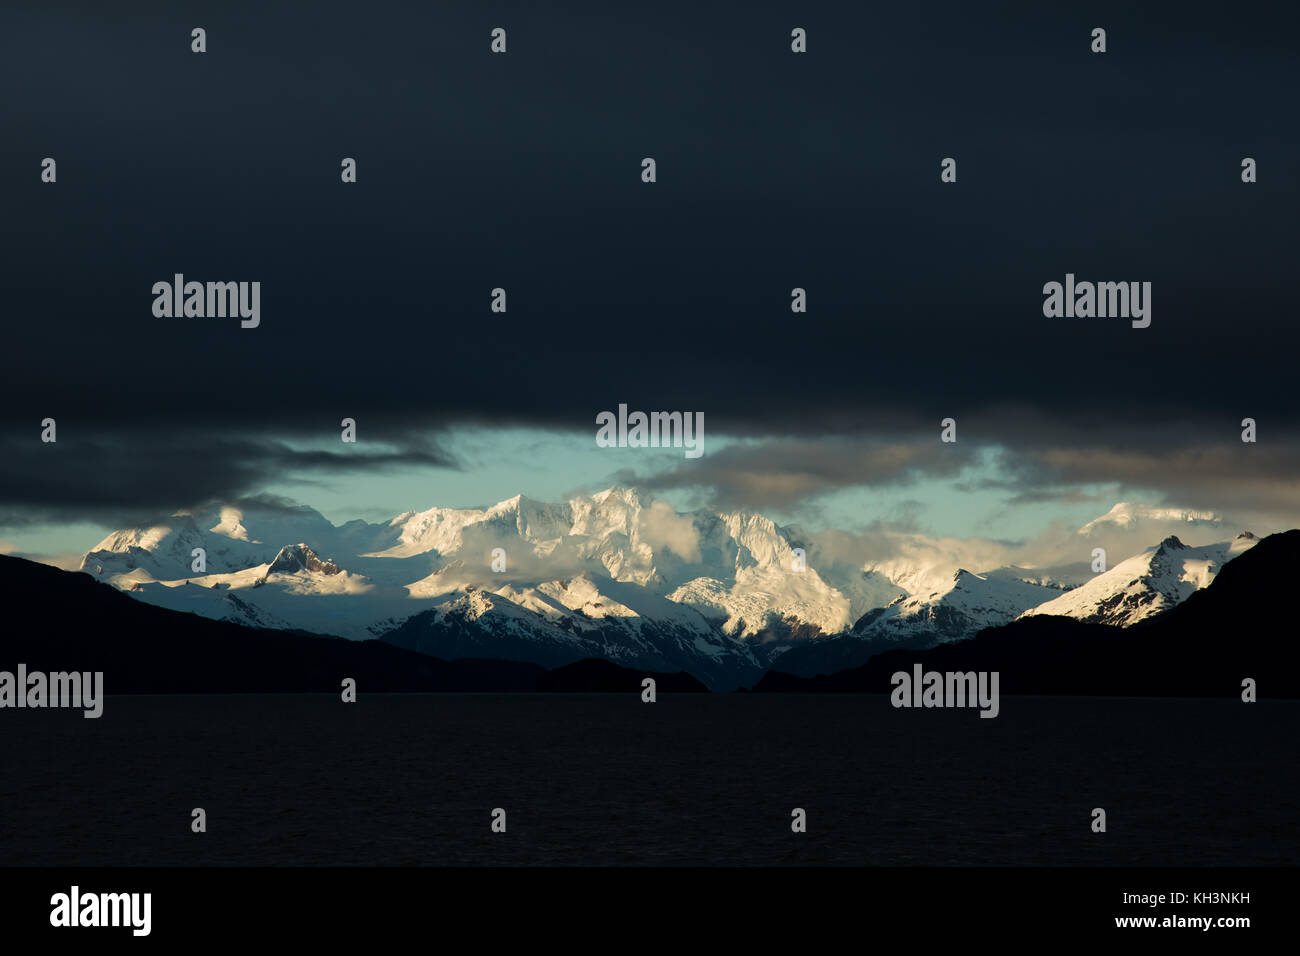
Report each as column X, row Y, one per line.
column 624, row 493
column 298, row 557
column 1171, row 543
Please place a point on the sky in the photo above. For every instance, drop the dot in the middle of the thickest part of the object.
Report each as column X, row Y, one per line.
column 774, row 171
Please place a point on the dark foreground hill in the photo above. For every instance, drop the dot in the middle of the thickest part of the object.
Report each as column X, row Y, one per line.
column 52, row 620
column 1243, row 625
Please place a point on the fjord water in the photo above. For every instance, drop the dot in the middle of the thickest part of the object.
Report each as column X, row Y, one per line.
column 599, row 779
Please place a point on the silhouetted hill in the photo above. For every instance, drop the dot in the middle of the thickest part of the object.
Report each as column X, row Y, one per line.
column 1242, row 625
column 603, row 676
column 54, row 620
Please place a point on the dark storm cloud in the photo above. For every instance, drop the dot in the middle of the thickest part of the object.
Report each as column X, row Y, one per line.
column 1047, row 495
column 1030, row 463
column 522, row 171
column 150, row 474
column 787, row 473
column 1224, row 475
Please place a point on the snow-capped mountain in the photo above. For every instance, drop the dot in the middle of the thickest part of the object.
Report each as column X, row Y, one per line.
column 1146, row 583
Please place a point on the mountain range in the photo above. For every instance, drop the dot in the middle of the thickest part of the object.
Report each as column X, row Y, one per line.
column 619, row 576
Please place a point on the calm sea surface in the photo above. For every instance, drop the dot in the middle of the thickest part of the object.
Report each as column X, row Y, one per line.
column 608, row 780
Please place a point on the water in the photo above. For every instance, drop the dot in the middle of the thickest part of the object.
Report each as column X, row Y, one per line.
column 690, row 780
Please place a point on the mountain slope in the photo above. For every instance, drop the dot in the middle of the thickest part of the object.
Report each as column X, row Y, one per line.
column 1145, row 584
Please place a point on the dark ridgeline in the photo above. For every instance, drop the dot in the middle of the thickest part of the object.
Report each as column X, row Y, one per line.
column 1242, row 625
column 67, row 621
